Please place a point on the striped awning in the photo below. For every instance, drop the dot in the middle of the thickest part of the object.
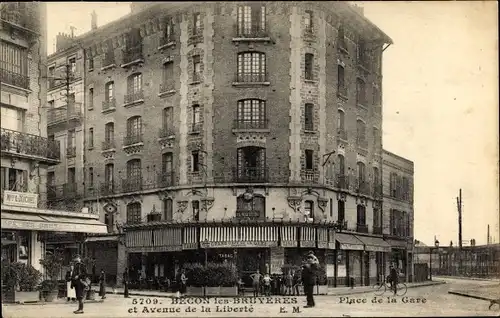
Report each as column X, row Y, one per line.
column 374, row 244
column 154, row 240
column 322, row 237
column 238, row 236
column 331, row 239
column 307, row 237
column 349, row 242
column 288, row 236
column 190, row 238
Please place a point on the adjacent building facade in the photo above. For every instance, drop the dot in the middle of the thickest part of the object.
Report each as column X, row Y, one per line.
column 28, row 218
column 228, row 130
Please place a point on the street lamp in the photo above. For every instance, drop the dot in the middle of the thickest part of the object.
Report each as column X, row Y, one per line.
column 436, row 246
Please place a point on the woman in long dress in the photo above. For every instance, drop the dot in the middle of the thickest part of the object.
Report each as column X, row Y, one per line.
column 102, row 284
column 70, row 290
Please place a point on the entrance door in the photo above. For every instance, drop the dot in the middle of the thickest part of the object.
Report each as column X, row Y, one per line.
column 249, row 261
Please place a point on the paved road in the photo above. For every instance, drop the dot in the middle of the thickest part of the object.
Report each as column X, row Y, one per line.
column 437, row 303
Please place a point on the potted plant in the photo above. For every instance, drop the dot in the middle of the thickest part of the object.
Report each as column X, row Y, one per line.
column 195, row 274
column 213, row 279
column 52, row 263
column 229, row 279
column 29, row 280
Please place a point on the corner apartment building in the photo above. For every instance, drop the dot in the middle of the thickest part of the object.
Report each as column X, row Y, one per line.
column 398, row 218
column 230, row 129
column 28, row 218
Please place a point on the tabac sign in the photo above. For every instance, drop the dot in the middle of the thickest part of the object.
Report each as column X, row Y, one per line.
column 25, row 199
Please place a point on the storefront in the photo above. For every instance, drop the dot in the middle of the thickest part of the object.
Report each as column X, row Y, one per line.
column 25, row 228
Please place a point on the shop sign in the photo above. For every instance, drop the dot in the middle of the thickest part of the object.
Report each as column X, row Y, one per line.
column 322, row 244
column 53, row 226
column 307, row 244
column 227, row 244
column 289, row 243
column 25, row 199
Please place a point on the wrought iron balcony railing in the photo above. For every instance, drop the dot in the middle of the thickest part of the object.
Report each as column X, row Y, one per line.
column 14, row 79
column 166, row 132
column 62, row 114
column 108, row 145
column 247, row 77
column 133, row 54
column 108, row 105
column 342, row 134
column 70, row 190
column 132, row 184
column 16, row 143
column 107, row 188
column 24, row 17
column 196, row 127
column 361, row 228
column 255, row 31
column 167, row 39
column 251, row 124
column 134, row 97
column 377, row 229
column 132, row 139
column 342, row 181
column 71, row 152
column 309, row 175
column 167, row 87
column 377, row 190
column 165, row 179
column 109, row 59
column 363, row 187
column 250, row 174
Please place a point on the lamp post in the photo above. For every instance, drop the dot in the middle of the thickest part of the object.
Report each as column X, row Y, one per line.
column 436, row 246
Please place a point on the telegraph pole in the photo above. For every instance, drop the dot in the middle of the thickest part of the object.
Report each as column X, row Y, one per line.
column 459, row 207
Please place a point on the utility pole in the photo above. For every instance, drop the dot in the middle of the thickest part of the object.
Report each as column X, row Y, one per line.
column 459, row 207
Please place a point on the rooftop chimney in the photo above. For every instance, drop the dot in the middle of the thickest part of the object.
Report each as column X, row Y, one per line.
column 93, row 21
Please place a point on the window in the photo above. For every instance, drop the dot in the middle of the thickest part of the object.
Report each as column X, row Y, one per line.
column 168, row 77
column 71, row 138
column 167, row 169
column 71, row 175
column 51, row 178
column 91, row 63
column 134, row 39
column 341, row 211
column 72, row 66
column 168, row 210
column 134, row 172
column 251, row 113
column 376, row 176
column 167, row 122
column 393, row 180
column 197, row 23
column 109, row 221
column 377, row 220
column 361, row 215
column 361, row 132
column 109, row 174
column 91, row 98
column 341, row 165
column 309, row 209
column 109, row 91
column 196, row 114
column 406, row 189
column 251, row 164
column 196, row 210
column 309, row 159
column 14, row 62
column 91, row 138
column 14, row 179
column 134, row 84
column 361, row 51
column 308, row 21
column 309, row 117
column 109, row 132
column 360, row 92
column 341, row 38
column 309, row 64
column 361, row 172
column 195, row 161
column 341, row 80
column 196, row 68
column 331, row 208
column 251, row 67
column 251, row 20
column 169, row 31
column 134, row 213
column 253, row 209
column 91, row 177
column 134, row 129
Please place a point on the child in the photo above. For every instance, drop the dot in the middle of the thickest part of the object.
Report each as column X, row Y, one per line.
column 256, row 277
column 289, row 282
column 267, row 284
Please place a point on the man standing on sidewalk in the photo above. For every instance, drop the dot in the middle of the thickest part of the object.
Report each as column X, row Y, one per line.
column 125, row 283
column 79, row 282
column 308, row 280
column 394, row 277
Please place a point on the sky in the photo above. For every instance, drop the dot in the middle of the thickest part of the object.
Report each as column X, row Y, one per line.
column 440, row 103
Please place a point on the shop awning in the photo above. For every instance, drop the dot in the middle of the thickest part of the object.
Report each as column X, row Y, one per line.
column 349, row 242
column 288, row 236
column 102, row 238
column 52, row 223
column 307, row 237
column 238, row 236
column 374, row 244
column 190, row 238
column 331, row 239
column 397, row 244
column 322, row 237
column 154, row 240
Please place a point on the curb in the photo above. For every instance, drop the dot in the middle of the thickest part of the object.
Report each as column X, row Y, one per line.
column 469, row 295
column 471, row 278
column 340, row 294
column 42, row 303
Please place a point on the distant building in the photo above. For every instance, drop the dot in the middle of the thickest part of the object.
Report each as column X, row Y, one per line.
column 228, row 128
column 28, row 218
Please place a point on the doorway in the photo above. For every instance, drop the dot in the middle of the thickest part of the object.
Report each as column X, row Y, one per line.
column 249, row 261
column 366, row 261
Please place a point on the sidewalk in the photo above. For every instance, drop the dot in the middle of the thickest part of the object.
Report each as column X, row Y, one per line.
column 338, row 291
column 488, row 293
column 468, row 278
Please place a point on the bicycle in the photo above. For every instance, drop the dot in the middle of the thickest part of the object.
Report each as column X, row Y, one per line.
column 380, row 289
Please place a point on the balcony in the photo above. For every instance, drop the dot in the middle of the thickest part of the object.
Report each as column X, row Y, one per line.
column 108, row 61
column 133, row 98
column 108, row 145
column 167, row 40
column 132, row 56
column 108, row 105
column 377, row 191
column 107, row 188
column 70, row 190
column 259, row 78
column 342, row 181
column 196, row 128
column 253, row 33
column 362, row 143
column 377, row 229
column 63, row 114
column 24, row 18
column 71, row 152
column 131, row 140
column 361, row 228
column 165, row 179
column 166, row 132
column 342, row 134
column 309, row 175
column 132, row 184
column 167, row 88
column 363, row 187
column 22, row 145
column 250, row 175
column 252, row 124
column 14, row 79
